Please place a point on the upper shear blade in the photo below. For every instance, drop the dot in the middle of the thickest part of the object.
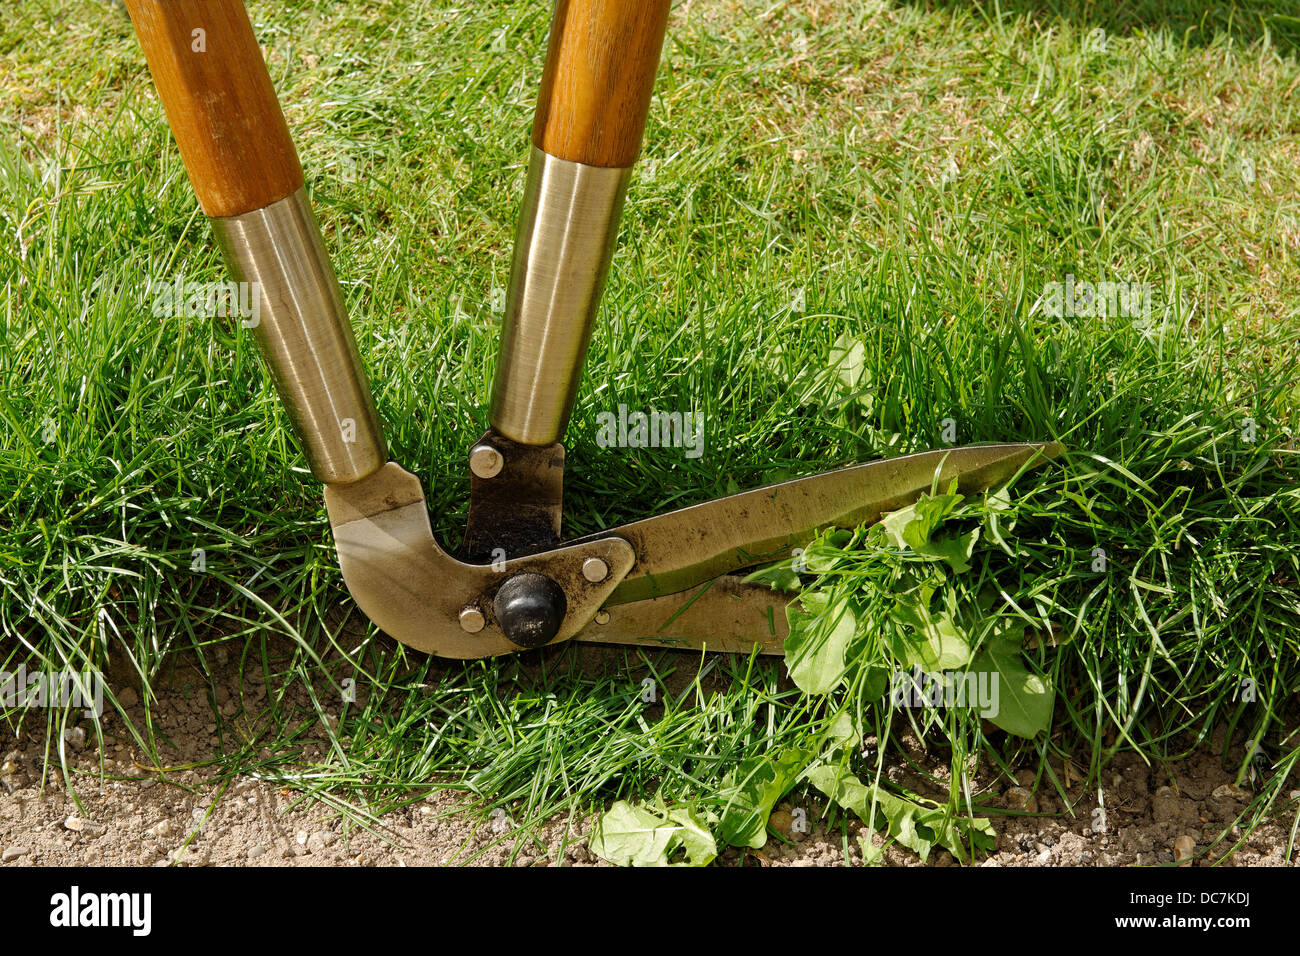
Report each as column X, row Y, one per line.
column 680, row 549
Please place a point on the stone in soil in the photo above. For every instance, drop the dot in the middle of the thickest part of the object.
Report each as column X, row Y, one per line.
column 1019, row 798
column 320, row 840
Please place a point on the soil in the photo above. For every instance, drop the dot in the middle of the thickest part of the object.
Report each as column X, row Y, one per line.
column 127, row 816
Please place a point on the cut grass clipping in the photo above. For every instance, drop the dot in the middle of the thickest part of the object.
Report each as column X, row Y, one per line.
column 837, row 246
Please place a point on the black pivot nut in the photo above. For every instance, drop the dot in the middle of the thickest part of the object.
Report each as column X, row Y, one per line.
column 530, row 609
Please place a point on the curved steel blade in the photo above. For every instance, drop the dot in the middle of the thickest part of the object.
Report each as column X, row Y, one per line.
column 683, row 548
column 726, row 614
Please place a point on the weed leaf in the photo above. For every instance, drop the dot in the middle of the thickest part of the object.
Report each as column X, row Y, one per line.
column 819, row 641
column 751, row 790
column 930, row 640
column 916, row 827
column 629, row 835
column 1024, row 698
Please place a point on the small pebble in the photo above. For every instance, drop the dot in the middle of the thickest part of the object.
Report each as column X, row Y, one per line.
column 75, row 737
column 13, row 853
column 1018, row 798
column 256, row 851
column 320, row 840
column 1184, row 847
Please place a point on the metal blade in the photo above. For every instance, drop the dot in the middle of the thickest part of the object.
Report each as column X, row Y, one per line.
column 683, row 548
column 725, row 615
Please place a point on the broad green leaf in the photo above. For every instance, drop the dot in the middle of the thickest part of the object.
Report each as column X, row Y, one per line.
column 930, row 512
column 848, row 359
column 916, row 827
column 629, row 835
column 844, row 731
column 912, row 526
column 912, row 529
column 827, row 554
column 998, row 500
column 999, row 515
column 956, row 550
column 930, row 640
column 697, row 839
column 779, row 577
column 1024, row 699
column 875, row 682
column 751, row 790
column 894, row 524
column 819, row 639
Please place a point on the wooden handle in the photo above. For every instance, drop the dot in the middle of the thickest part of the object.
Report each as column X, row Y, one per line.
column 220, row 103
column 600, row 72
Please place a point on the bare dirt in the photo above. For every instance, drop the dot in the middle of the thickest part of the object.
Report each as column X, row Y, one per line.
column 122, row 812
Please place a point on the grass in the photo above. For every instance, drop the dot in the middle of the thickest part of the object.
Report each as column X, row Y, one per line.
column 907, row 175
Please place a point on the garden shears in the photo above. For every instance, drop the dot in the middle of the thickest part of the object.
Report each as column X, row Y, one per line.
column 514, row 583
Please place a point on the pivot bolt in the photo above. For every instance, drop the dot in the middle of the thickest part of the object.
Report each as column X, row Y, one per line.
column 530, row 608
column 471, row 620
column 594, row 570
column 602, row 617
column 485, row 461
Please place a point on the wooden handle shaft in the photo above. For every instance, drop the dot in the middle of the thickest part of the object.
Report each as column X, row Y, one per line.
column 222, row 108
column 600, row 72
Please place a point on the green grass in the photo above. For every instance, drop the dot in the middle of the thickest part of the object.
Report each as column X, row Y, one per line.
column 913, row 174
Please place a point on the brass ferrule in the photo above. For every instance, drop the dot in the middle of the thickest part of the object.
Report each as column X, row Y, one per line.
column 563, row 246
column 303, row 333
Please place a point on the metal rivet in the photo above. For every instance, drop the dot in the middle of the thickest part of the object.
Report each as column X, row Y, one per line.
column 594, row 570
column 471, row 620
column 602, row 617
column 485, row 461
